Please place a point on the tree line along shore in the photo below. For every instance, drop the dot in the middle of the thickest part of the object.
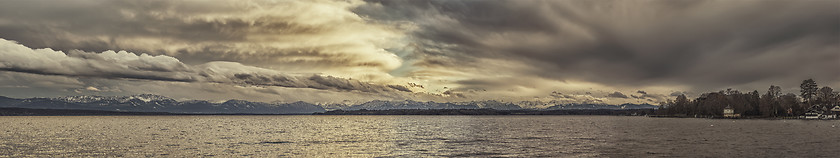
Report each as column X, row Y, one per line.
column 812, row 100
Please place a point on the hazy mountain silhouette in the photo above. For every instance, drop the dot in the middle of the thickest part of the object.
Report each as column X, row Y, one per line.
column 407, row 104
column 156, row 103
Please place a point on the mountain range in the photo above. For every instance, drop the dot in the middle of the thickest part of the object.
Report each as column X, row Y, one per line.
column 157, row 103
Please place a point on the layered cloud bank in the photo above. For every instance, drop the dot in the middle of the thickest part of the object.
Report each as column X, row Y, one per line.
column 707, row 43
column 125, row 65
column 620, row 51
column 301, row 36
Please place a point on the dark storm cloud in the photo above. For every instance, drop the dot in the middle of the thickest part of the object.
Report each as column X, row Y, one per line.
column 34, row 22
column 649, row 97
column 556, row 94
column 674, row 94
column 125, row 65
column 617, row 95
column 696, row 43
column 489, row 49
column 313, row 81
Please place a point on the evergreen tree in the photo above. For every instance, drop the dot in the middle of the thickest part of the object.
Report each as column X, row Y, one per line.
column 809, row 90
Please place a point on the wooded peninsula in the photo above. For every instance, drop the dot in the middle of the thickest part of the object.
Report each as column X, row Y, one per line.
column 811, row 100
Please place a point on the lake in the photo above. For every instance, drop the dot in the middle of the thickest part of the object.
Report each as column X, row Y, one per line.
column 413, row 136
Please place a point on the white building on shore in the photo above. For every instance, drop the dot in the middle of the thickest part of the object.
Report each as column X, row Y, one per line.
column 729, row 112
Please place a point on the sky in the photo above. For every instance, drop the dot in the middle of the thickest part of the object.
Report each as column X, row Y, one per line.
column 351, row 51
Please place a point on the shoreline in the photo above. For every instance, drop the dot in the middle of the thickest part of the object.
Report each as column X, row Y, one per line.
column 81, row 112
column 430, row 112
column 739, row 118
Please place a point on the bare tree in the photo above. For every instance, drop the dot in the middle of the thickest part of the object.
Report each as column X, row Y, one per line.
column 826, row 96
column 774, row 91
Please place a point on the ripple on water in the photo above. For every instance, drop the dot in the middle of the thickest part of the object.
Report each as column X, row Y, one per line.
column 275, row 142
column 411, row 136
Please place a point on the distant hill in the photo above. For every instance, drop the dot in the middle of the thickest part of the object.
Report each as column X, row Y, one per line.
column 602, row 106
column 488, row 104
column 156, row 103
column 407, row 104
column 69, row 112
column 618, row 112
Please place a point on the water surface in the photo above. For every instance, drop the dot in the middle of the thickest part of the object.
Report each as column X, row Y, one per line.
column 401, row 136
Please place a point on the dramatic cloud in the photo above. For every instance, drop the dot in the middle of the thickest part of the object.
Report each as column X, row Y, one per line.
column 512, row 50
column 650, row 97
column 93, row 89
column 573, row 98
column 125, row 65
column 311, row 36
column 674, row 94
column 617, row 95
column 706, row 44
